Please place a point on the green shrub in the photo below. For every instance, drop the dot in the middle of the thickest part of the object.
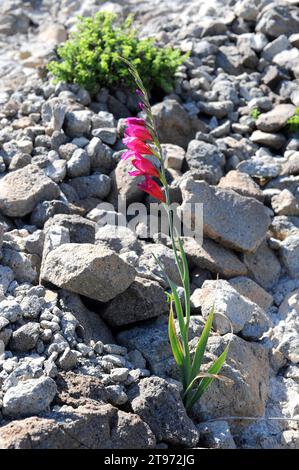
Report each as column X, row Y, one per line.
column 90, row 57
column 255, row 113
column 293, row 122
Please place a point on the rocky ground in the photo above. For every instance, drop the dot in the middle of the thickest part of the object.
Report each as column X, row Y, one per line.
column 84, row 355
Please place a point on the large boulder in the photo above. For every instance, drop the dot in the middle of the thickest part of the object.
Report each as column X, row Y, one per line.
column 22, row 190
column 202, row 155
column 94, row 426
column 247, row 367
column 29, row 397
column 276, row 118
column 275, row 20
column 174, row 124
column 144, row 299
column 91, row 270
column 263, row 266
column 242, row 184
column 213, row 257
column 235, row 221
column 159, row 404
column 233, row 310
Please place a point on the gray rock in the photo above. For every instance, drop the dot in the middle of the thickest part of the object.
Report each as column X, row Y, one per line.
column 80, row 230
column 123, row 186
column 213, row 257
column 92, row 426
column 275, row 119
column 250, row 289
column 215, row 435
column 53, row 113
column 174, row 156
column 90, row 270
column 285, row 203
column 22, row 190
column 204, row 155
column 159, row 404
column 107, row 135
column 25, row 266
column 92, row 327
column 241, row 183
column 68, row 360
column 147, row 266
column 144, row 299
column 219, row 109
column 25, row 338
column 100, row 155
column 247, row 367
column 77, row 123
column 29, row 397
column 288, row 60
column 95, row 185
column 262, row 167
column 103, row 119
column 263, row 266
column 6, row 277
column 117, row 395
column 275, row 141
column 289, row 255
column 11, row 310
column 173, row 123
column 275, row 47
column 118, row 238
column 246, row 220
column 243, row 314
column 278, row 20
column 78, row 164
column 47, row 209
column 282, row 226
column 233, row 60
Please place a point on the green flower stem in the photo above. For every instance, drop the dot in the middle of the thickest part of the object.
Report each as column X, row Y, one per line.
column 190, row 370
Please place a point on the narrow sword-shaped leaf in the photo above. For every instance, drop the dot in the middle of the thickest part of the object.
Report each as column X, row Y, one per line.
column 214, row 369
column 201, row 345
column 175, row 343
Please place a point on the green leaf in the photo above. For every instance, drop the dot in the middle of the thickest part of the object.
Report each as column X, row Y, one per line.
column 201, row 345
column 204, row 384
column 175, row 343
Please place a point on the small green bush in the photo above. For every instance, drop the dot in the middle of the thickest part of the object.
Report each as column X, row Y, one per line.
column 255, row 113
column 90, row 57
column 293, row 122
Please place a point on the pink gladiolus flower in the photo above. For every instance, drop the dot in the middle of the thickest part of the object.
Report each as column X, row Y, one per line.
column 141, row 106
column 137, row 145
column 135, row 121
column 138, row 131
column 128, row 154
column 151, row 187
column 144, row 167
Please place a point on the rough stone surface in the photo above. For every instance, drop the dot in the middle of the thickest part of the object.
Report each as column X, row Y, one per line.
column 25, row 337
column 173, row 123
column 242, row 184
column 144, row 299
column 87, row 427
column 159, row 404
column 232, row 310
column 90, row 270
column 236, row 221
column 29, row 397
column 275, row 119
column 22, row 190
column 213, row 257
